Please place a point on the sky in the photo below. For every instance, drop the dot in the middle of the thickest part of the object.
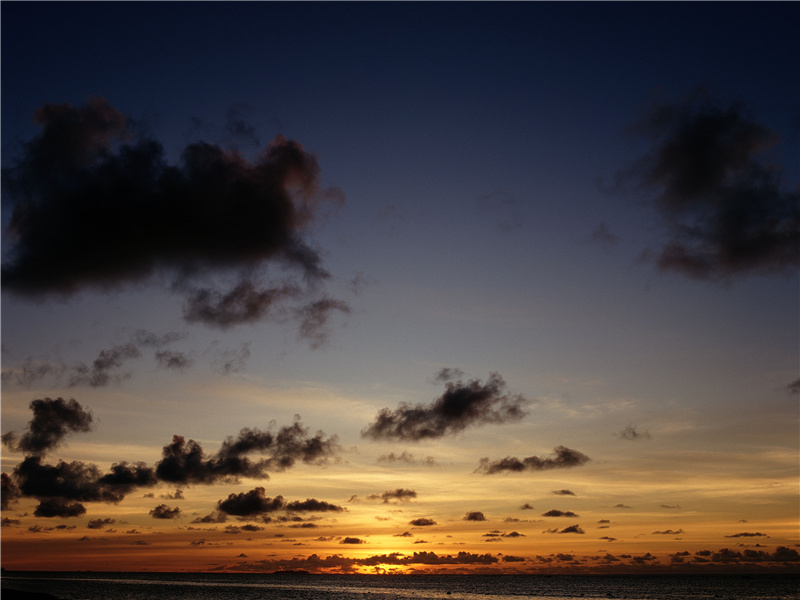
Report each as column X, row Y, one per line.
column 400, row 287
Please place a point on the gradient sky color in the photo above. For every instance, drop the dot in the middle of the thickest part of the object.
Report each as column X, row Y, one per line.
column 463, row 287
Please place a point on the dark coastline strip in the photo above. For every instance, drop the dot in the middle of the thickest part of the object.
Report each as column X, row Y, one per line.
column 12, row 594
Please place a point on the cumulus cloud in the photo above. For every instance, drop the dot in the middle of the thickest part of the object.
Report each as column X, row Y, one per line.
column 352, row 540
column 474, row 516
column 99, row 523
column 462, row 405
column 313, row 505
column 85, row 188
column 59, row 507
column 570, row 529
column 559, row 513
column 561, row 458
column 186, row 462
column 631, row 433
column 422, row 522
column 720, row 195
column 52, row 421
column 162, row 511
column 396, row 495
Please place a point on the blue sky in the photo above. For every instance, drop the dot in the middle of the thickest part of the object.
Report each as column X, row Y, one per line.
column 483, row 207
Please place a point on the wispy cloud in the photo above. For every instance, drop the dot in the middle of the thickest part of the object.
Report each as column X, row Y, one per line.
column 561, row 458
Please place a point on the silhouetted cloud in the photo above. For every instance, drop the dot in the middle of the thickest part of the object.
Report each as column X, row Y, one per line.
column 747, row 534
column 559, row 513
column 185, row 462
column 526, row 506
column 570, row 529
column 245, row 303
column 631, row 433
column 314, row 318
column 59, row 507
column 422, row 522
column 162, row 511
column 397, row 495
column 313, row 505
column 171, row 359
column 407, row 458
column 562, row 458
column 7, row 522
column 250, row 503
column 352, row 540
column 794, row 387
column 669, row 532
column 104, row 368
column 621, row 505
column 82, row 195
column 474, row 516
column 462, row 405
column 562, row 493
column 52, row 421
column 99, row 523
column 720, row 195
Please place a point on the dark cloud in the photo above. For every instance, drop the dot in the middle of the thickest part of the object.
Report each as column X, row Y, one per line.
column 245, row 303
column 59, row 507
column 82, row 195
column 312, row 505
column 526, row 506
column 404, row 534
column 669, row 532
column 498, row 534
column 6, row 522
column 314, row 318
column 562, row 458
column 397, row 495
column 794, row 387
column 185, row 462
column 474, row 516
column 562, row 493
column 254, row 502
column 52, row 421
column 80, row 481
column 352, row 540
column 85, row 188
column 448, row 374
column 105, row 368
column 747, row 534
column 162, row 511
column 422, row 522
column 621, row 505
column 9, row 492
column 407, row 458
column 99, row 523
column 559, row 513
column 171, row 359
column 631, row 433
column 570, row 529
column 718, row 190
column 462, row 405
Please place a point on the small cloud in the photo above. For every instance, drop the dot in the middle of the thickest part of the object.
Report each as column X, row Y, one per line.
column 620, row 505
column 162, row 511
column 747, row 534
column 669, row 532
column 398, row 495
column 631, row 433
column 562, row 493
column 352, row 540
column 422, row 522
column 559, row 513
column 562, row 458
column 474, row 516
column 526, row 506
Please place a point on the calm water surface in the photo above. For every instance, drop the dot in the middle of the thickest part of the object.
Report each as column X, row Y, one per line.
column 151, row 586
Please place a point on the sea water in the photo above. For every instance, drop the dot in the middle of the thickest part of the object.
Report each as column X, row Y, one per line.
column 298, row 586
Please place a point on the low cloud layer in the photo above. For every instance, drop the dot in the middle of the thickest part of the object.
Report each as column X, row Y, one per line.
column 561, row 458
column 718, row 190
column 462, row 405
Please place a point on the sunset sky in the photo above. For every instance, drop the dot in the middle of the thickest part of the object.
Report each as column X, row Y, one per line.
column 463, row 287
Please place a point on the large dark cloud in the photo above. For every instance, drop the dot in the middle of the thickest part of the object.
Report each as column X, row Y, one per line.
column 462, row 405
column 52, row 421
column 561, row 458
column 94, row 206
column 720, row 194
column 84, row 191
column 186, row 462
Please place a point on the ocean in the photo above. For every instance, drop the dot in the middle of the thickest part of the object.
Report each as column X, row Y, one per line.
column 298, row 586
